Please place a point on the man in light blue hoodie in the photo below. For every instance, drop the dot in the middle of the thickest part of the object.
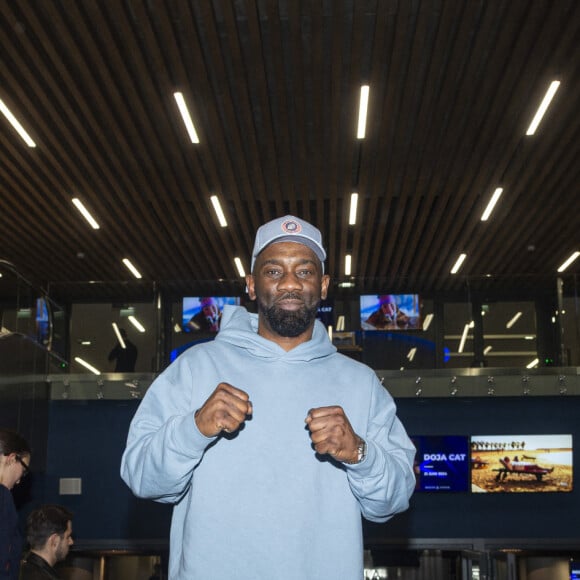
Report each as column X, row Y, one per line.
column 270, row 444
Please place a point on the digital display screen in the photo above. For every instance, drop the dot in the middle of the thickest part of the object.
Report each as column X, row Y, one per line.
column 203, row 314
column 521, row 463
column 42, row 322
column 441, row 463
column 325, row 312
column 390, row 312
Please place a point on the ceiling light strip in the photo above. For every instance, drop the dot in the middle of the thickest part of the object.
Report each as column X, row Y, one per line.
column 16, row 124
column 463, row 338
column 184, row 111
column 554, row 85
column 458, row 263
column 568, row 261
column 85, row 213
column 132, row 268
column 427, row 321
column 240, row 267
column 533, row 364
column 85, row 364
column 511, row 322
column 119, row 335
column 353, row 208
column 347, row 264
column 494, row 199
column 218, row 211
column 136, row 323
column 362, row 111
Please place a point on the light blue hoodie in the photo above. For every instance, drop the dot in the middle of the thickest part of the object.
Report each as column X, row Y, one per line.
column 260, row 504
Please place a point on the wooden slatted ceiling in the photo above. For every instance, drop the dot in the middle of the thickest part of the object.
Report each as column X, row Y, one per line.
column 273, row 87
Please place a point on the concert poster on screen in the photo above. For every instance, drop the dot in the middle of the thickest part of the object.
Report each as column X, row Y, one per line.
column 390, row 312
column 441, row 463
column 203, row 314
column 521, row 463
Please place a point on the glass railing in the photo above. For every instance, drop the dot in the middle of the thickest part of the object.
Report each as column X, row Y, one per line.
column 489, row 382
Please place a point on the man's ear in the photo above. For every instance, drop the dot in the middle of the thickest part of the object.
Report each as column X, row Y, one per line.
column 324, row 286
column 53, row 541
column 250, row 286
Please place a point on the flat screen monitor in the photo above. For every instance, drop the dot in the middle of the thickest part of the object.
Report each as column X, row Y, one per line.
column 441, row 463
column 574, row 570
column 42, row 322
column 521, row 463
column 203, row 314
column 390, row 312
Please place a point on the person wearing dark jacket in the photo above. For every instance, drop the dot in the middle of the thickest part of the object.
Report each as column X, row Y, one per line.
column 49, row 534
column 14, row 465
column 125, row 354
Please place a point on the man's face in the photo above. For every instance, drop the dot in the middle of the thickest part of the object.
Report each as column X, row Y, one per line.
column 388, row 308
column 65, row 542
column 287, row 284
column 210, row 311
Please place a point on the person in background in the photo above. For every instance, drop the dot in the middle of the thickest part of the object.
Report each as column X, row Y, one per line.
column 208, row 317
column 124, row 354
column 388, row 314
column 49, row 535
column 269, row 443
column 14, row 465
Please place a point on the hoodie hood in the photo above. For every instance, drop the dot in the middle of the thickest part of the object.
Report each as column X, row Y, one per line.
column 240, row 328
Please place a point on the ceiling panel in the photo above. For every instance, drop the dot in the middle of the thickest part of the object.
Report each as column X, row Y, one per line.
column 273, row 89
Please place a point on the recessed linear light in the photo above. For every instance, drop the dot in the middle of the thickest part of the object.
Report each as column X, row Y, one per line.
column 136, row 324
column 427, row 321
column 16, row 124
column 85, row 364
column 411, row 354
column 511, row 322
column 463, row 338
column 554, row 85
column 494, row 198
column 180, row 100
column 458, row 263
column 132, row 268
column 362, row 111
column 85, row 213
column 240, row 267
column 533, row 364
column 218, row 211
column 487, row 349
column 118, row 334
column 568, row 261
column 353, row 207
column 347, row 264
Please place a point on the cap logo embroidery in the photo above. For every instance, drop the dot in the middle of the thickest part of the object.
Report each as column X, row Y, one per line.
column 291, row 227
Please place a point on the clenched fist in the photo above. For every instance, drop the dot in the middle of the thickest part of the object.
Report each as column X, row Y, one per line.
column 332, row 434
column 226, row 409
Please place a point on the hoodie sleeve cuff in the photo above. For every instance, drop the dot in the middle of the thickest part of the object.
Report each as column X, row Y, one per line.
column 368, row 465
column 193, row 441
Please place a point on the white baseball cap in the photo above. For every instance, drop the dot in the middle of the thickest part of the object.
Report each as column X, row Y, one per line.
column 289, row 229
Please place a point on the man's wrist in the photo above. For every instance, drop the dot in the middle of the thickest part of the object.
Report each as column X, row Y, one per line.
column 361, row 451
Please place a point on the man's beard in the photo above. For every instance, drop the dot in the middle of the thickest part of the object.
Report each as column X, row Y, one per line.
column 288, row 323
